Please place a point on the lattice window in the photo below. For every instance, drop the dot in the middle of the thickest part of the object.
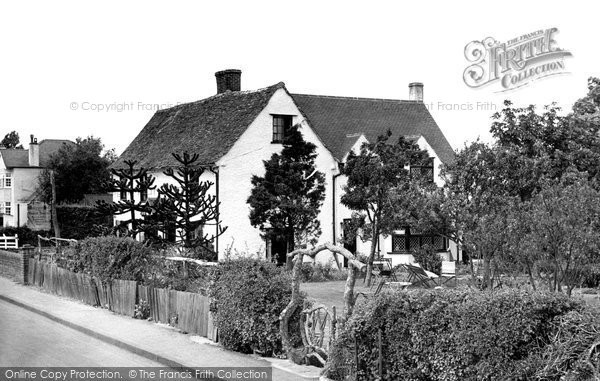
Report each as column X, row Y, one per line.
column 423, row 171
column 415, row 242
column 439, row 242
column 398, row 243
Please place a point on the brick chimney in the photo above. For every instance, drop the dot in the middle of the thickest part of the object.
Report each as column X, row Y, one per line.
column 34, row 152
column 415, row 91
column 230, row 79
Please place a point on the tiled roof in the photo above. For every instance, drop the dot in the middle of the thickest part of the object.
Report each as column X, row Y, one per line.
column 211, row 126
column 49, row 147
column 335, row 118
column 19, row 158
column 208, row 127
column 15, row 157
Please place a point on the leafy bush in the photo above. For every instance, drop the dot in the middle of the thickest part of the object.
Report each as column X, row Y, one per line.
column 429, row 259
column 111, row 258
column 248, row 296
column 142, row 310
column 591, row 276
column 458, row 334
column 80, row 221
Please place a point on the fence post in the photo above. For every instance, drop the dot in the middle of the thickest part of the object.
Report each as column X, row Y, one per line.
column 26, row 251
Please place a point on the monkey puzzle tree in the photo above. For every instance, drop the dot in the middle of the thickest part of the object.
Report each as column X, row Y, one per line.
column 130, row 181
column 189, row 206
column 285, row 201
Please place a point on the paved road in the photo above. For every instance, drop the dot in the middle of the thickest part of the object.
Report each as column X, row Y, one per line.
column 28, row 339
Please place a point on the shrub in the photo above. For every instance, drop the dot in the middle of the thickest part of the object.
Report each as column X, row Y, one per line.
column 80, row 221
column 451, row 334
column 142, row 310
column 111, row 258
column 591, row 276
column 248, row 296
column 429, row 259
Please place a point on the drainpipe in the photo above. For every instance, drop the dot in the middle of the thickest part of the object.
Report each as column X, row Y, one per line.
column 215, row 170
column 333, row 205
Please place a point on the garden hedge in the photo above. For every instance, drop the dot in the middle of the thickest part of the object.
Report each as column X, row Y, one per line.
column 459, row 335
column 81, row 221
column 248, row 296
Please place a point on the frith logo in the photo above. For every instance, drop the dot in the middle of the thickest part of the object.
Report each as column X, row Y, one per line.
column 515, row 63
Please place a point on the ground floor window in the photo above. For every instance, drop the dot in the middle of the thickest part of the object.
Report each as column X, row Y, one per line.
column 406, row 241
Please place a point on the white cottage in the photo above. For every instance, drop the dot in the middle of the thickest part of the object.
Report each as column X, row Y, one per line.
column 234, row 131
column 20, row 205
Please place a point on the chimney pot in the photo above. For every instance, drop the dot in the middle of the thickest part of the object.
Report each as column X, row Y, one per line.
column 415, row 91
column 230, row 79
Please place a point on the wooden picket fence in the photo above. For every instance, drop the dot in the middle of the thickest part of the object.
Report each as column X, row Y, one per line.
column 187, row 311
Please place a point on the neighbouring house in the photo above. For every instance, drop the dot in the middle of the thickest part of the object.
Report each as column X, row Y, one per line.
column 20, row 205
column 234, row 131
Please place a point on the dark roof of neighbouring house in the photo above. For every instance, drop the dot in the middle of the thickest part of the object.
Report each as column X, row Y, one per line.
column 335, row 117
column 19, row 158
column 208, row 127
column 49, row 147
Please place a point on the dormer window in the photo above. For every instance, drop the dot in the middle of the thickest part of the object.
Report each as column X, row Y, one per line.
column 281, row 124
column 423, row 171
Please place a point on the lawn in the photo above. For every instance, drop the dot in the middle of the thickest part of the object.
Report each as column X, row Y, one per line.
column 332, row 293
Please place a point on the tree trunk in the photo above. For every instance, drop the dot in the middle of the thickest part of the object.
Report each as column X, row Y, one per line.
column 294, row 303
column 288, row 311
column 530, row 274
column 374, row 239
column 289, row 261
column 53, row 206
column 486, row 272
column 349, row 291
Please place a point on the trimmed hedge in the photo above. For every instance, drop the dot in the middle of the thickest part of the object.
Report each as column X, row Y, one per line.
column 81, row 221
column 111, row 258
column 451, row 334
column 248, row 296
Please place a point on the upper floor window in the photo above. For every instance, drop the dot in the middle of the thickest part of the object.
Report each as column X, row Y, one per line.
column 6, row 180
column 423, row 171
column 281, row 124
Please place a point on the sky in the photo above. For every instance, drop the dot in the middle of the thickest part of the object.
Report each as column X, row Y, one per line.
column 72, row 69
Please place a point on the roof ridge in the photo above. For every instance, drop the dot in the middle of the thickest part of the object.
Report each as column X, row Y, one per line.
column 57, row 140
column 278, row 85
column 360, row 98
